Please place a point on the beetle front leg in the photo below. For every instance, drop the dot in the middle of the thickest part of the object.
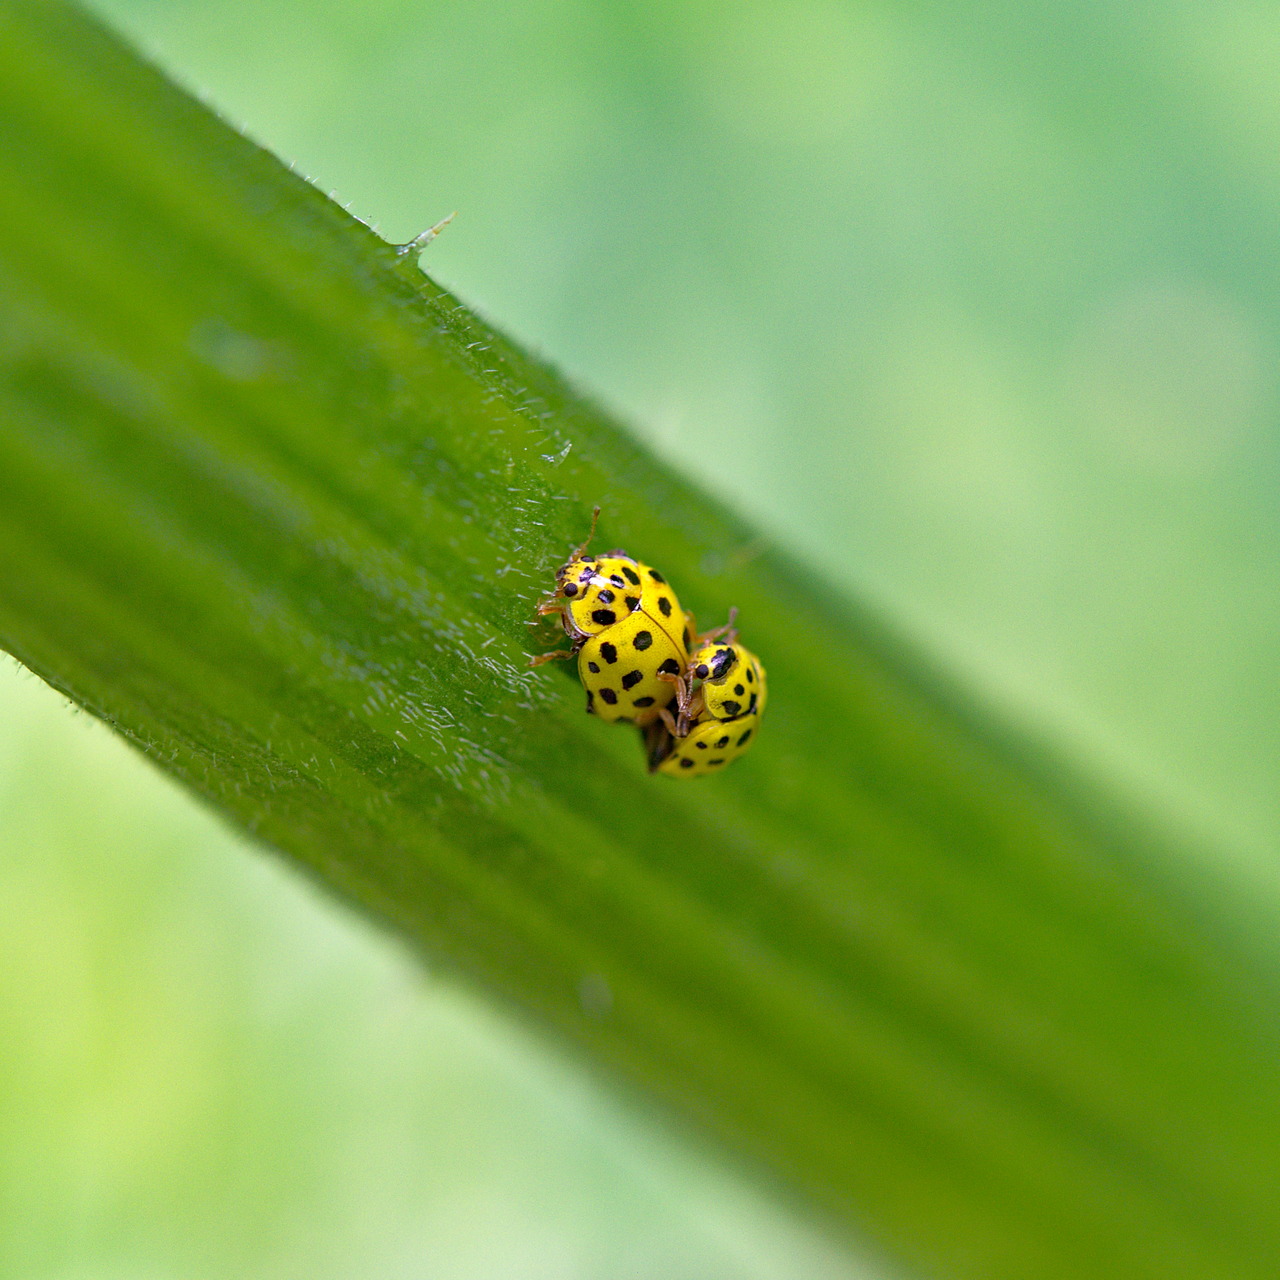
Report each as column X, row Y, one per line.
column 729, row 631
column 684, row 696
column 558, row 656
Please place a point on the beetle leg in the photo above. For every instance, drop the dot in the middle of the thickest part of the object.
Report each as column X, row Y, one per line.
column 683, row 693
column 729, row 632
column 558, row 655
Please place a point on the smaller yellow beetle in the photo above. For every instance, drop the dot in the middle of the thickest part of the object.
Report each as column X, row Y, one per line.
column 720, row 706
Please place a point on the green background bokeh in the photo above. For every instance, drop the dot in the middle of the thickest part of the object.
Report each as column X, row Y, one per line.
column 975, row 307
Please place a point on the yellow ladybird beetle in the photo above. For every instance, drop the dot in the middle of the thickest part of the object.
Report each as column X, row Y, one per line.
column 627, row 630
column 720, row 706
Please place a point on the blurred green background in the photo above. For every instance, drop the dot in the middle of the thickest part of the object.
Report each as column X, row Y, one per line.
column 974, row 307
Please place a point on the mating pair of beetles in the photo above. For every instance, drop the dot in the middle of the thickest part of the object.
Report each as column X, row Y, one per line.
column 639, row 653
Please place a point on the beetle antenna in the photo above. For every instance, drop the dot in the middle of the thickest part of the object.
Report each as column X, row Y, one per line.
column 577, row 552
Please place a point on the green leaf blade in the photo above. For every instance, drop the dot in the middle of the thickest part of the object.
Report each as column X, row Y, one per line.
column 279, row 509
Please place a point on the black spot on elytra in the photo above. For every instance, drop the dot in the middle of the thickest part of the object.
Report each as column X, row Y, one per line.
column 656, row 576
column 739, row 690
column 593, row 668
column 664, row 606
column 671, row 667
column 633, row 603
column 605, row 597
column 609, row 652
column 742, row 740
column 686, row 763
column 732, row 707
column 643, row 640
column 631, row 679
column 751, row 676
column 609, row 696
column 702, row 746
column 751, row 706
column 723, row 742
column 644, row 702
column 605, row 617
column 632, row 576
column 712, row 763
column 617, row 580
